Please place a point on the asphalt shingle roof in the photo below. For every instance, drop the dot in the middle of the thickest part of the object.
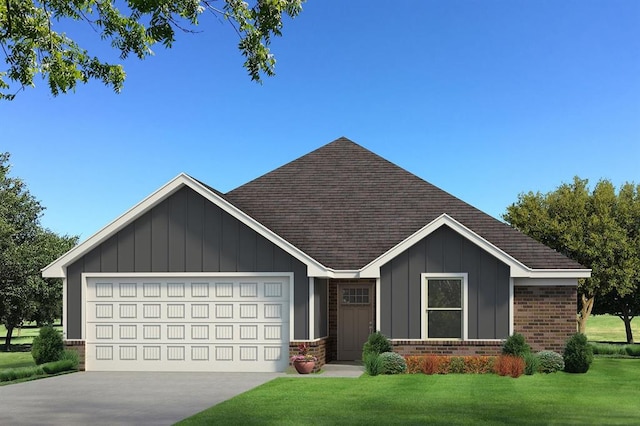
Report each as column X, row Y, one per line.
column 345, row 206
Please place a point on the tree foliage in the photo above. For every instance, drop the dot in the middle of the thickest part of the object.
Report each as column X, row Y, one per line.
column 25, row 248
column 33, row 40
column 599, row 228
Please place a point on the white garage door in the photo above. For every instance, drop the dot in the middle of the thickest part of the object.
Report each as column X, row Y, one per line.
column 187, row 323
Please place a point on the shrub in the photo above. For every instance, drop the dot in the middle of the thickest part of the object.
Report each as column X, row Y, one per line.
column 516, row 346
column 392, row 363
column 509, row 365
column 431, row 364
column 550, row 362
column 607, row 349
column 72, row 356
column 578, row 355
column 377, row 343
column 457, row 365
column 47, row 346
column 11, row 374
column 478, row 364
column 58, row 366
column 531, row 364
column 372, row 364
column 632, row 350
column 414, row 364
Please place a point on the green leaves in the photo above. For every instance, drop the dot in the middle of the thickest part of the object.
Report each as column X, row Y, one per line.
column 32, row 45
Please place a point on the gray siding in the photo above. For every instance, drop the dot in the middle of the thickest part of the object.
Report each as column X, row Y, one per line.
column 445, row 251
column 187, row 233
column 321, row 295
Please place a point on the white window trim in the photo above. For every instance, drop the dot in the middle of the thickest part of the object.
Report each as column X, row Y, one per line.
column 424, row 277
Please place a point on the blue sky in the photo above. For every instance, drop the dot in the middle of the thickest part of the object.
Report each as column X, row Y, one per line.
column 485, row 99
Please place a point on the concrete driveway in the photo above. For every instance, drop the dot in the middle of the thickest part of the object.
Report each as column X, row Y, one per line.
column 112, row 398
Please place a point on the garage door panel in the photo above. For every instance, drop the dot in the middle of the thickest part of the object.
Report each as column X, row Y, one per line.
column 173, row 324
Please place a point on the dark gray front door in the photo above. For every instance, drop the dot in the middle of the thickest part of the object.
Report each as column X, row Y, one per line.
column 355, row 319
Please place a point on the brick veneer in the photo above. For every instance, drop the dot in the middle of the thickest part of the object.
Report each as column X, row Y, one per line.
column 79, row 347
column 445, row 347
column 318, row 348
column 545, row 316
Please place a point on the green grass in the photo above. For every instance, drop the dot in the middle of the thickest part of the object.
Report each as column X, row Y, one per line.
column 607, row 394
column 610, row 328
column 16, row 360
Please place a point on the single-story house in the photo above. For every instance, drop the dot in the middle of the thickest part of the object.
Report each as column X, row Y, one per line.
column 324, row 250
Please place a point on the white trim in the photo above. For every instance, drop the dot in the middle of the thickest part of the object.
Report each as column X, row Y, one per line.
column 511, row 306
column 65, row 322
column 57, row 269
column 424, row 278
column 546, row 282
column 518, row 269
column 378, row 322
column 312, row 308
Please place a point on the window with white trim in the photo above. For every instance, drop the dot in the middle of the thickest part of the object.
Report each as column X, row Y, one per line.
column 444, row 301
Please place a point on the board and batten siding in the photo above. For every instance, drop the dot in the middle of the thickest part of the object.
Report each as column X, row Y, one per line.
column 445, row 251
column 186, row 233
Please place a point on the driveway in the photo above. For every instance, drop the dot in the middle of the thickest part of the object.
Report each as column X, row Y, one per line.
column 111, row 398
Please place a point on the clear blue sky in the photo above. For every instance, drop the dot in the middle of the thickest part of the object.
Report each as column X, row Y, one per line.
column 485, row 99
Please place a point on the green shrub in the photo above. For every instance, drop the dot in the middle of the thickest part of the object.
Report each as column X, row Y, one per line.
column 392, row 363
column 632, row 350
column 11, row 374
column 531, row 364
column 550, row 362
column 578, row 355
column 377, row 343
column 58, row 366
column 607, row 349
column 47, row 346
column 516, row 346
column 72, row 356
column 457, row 365
column 372, row 364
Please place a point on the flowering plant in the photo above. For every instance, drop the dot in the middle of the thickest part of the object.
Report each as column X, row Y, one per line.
column 303, row 354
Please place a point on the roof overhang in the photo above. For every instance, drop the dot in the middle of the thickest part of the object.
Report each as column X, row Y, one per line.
column 57, row 269
column 518, row 269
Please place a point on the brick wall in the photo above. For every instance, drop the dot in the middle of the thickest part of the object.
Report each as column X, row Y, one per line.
column 447, row 347
column 78, row 346
column 545, row 315
column 318, row 348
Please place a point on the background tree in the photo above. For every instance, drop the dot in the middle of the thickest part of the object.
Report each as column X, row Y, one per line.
column 34, row 41
column 25, row 248
column 599, row 229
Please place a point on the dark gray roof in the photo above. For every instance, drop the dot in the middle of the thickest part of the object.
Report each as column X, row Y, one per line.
column 345, row 206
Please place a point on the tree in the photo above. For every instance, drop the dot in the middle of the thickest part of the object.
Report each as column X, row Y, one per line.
column 625, row 307
column 599, row 229
column 25, row 248
column 33, row 40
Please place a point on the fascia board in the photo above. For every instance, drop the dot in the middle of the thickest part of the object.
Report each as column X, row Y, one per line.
column 57, row 269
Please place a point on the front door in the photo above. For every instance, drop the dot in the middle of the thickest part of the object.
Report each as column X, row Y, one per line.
column 355, row 319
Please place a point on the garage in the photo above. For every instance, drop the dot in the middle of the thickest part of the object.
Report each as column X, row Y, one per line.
column 187, row 322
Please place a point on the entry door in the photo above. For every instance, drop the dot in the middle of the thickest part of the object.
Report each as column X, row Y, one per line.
column 355, row 319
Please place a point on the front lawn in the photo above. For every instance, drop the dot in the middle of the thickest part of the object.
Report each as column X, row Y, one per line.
column 607, row 394
column 16, row 360
column 610, row 328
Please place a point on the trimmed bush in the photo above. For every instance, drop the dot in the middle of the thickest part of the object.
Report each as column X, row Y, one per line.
column 550, row 362
column 58, row 366
column 377, row 343
column 392, row 363
column 11, row 374
column 515, row 345
column 578, row 355
column 372, row 364
column 531, row 364
column 478, row 364
column 457, row 365
column 47, row 345
column 509, row 365
column 431, row 364
column 414, row 363
column 607, row 349
column 632, row 350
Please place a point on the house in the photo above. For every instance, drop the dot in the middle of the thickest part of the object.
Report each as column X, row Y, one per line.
column 325, row 250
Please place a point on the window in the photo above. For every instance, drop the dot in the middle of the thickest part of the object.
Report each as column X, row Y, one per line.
column 355, row 296
column 444, row 301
